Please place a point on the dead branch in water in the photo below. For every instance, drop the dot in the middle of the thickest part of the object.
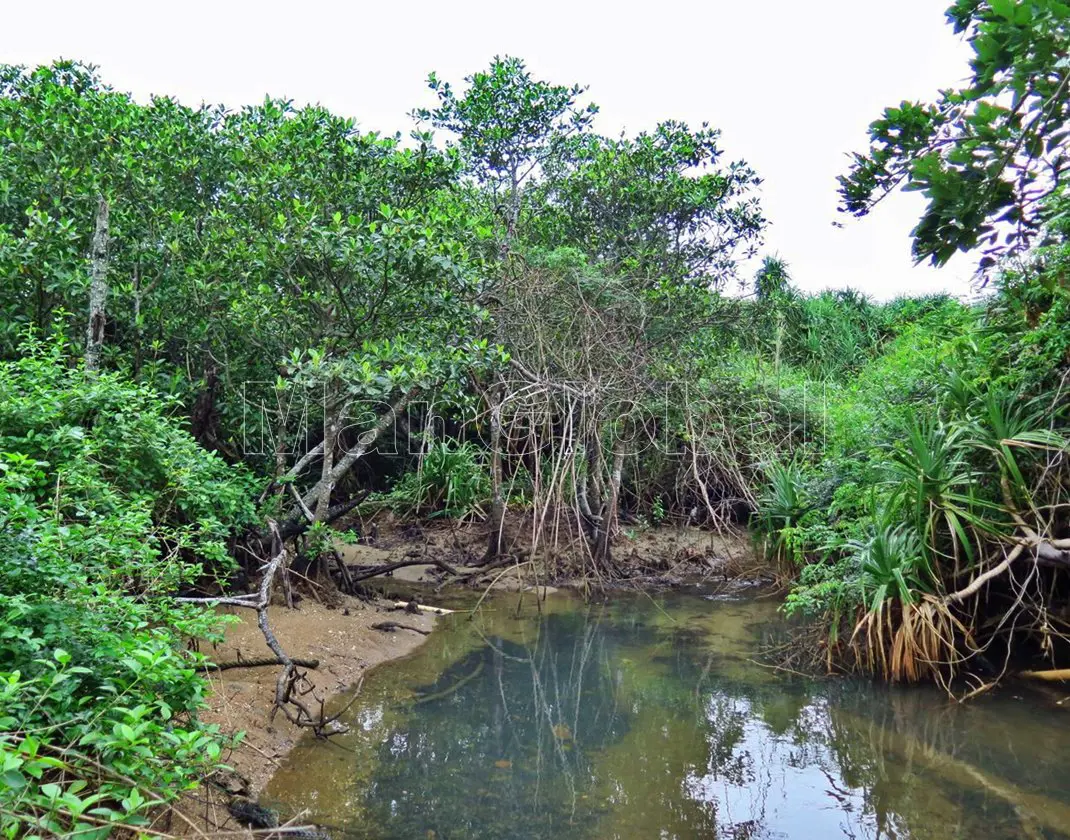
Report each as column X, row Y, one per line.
column 1056, row 675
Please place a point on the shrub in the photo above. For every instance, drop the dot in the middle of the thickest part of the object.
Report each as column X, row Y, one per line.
column 451, row 481
column 107, row 507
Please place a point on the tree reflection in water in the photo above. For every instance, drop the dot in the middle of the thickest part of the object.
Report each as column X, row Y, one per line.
column 650, row 721
column 508, row 752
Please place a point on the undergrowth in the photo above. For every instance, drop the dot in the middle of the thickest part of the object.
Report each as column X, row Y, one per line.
column 107, row 509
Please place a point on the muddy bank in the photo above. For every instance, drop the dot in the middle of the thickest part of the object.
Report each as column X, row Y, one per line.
column 340, row 636
column 644, row 556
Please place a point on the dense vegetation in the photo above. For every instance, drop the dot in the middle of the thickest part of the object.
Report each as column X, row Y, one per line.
column 504, row 311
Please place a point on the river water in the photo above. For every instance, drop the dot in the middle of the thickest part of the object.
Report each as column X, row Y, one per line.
column 651, row 717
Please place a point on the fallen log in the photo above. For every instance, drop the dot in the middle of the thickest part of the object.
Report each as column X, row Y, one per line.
column 1055, row 675
column 375, row 571
column 484, row 569
column 403, row 605
column 263, row 662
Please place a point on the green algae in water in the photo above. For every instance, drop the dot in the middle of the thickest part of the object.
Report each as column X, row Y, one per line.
column 648, row 718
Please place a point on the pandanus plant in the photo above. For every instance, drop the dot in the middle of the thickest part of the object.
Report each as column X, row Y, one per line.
column 1015, row 430
column 905, row 632
column 781, row 505
column 452, row 481
column 933, row 488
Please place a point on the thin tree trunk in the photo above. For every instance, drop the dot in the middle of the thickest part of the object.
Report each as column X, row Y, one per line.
column 496, row 519
column 602, row 555
column 98, row 289
column 365, row 441
column 596, row 495
column 512, row 214
column 137, row 322
column 331, row 424
column 141, row 289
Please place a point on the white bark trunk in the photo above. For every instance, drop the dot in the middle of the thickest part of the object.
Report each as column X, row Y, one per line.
column 497, row 504
column 98, row 289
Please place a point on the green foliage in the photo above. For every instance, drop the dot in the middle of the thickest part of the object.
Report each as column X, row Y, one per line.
column 107, row 507
column 507, row 123
column 932, row 479
column 782, row 505
column 657, row 511
column 984, row 153
column 657, row 206
column 826, row 590
column 451, row 481
column 917, row 452
column 892, row 564
column 772, row 282
column 255, row 236
column 66, row 139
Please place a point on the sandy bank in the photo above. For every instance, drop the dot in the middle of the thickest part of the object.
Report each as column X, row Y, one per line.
column 340, row 637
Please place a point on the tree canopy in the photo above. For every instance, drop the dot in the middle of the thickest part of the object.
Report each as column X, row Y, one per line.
column 230, row 339
column 988, row 153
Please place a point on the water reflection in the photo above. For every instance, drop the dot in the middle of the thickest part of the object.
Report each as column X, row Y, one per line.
column 648, row 719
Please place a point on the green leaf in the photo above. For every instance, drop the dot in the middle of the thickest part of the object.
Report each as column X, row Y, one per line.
column 13, row 779
column 1003, row 8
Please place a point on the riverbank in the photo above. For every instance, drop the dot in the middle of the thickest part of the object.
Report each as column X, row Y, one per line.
column 339, row 635
column 425, row 552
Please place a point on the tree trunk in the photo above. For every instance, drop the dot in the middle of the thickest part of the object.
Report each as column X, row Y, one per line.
column 203, row 417
column 602, row 555
column 327, row 482
column 512, row 214
column 332, row 421
column 137, row 322
column 98, row 289
column 496, row 519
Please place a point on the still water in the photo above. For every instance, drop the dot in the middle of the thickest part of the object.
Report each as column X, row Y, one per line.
column 652, row 718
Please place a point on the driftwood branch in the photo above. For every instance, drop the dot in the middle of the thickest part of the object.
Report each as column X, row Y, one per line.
column 288, row 685
column 365, row 573
column 413, row 607
column 1057, row 675
column 255, row 663
column 481, row 571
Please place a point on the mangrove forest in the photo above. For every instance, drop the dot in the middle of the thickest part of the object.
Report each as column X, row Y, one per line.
column 691, row 551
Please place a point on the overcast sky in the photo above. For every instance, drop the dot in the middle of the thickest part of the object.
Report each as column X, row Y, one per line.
column 792, row 85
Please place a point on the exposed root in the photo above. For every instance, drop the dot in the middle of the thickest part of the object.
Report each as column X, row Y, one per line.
column 908, row 642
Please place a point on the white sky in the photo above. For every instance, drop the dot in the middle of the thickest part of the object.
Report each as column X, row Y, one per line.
column 791, row 84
